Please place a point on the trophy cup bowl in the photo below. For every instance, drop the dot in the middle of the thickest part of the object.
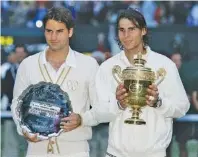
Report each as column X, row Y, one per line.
column 40, row 109
column 136, row 81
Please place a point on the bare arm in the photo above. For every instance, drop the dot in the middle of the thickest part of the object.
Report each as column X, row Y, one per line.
column 194, row 99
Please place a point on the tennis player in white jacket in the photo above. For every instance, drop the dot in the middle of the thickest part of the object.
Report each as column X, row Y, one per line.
column 164, row 102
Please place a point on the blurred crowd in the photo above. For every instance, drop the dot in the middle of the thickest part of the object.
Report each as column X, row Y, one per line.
column 26, row 14
column 97, row 12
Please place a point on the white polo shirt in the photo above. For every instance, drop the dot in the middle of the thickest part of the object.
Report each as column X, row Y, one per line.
column 80, row 86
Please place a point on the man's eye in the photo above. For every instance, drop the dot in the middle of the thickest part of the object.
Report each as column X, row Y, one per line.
column 59, row 31
column 132, row 28
column 48, row 31
column 121, row 30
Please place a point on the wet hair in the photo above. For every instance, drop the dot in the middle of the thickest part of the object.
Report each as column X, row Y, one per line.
column 136, row 18
column 59, row 14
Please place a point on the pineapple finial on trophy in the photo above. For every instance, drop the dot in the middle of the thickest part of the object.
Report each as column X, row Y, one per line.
column 139, row 60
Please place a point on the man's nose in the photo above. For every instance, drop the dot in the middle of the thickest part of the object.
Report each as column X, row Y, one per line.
column 54, row 36
column 126, row 33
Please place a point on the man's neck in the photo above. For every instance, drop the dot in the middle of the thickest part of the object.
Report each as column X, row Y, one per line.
column 131, row 53
column 56, row 58
column 57, row 55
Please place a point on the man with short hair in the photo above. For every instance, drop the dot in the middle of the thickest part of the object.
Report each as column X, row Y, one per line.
column 74, row 73
column 8, row 75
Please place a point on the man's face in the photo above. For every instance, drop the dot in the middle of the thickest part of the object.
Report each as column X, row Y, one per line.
column 57, row 35
column 130, row 36
column 20, row 54
column 12, row 58
column 177, row 59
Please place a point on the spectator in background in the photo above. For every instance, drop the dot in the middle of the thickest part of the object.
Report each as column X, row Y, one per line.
column 177, row 59
column 13, row 143
column 5, row 13
column 21, row 11
column 9, row 70
column 160, row 13
column 99, row 12
column 185, row 131
column 102, row 49
column 3, row 56
column 135, row 5
column 87, row 12
column 71, row 5
column 181, row 16
column 195, row 98
column 37, row 10
column 21, row 52
column 112, row 33
column 41, row 11
column 148, row 10
column 99, row 56
column 192, row 19
column 103, row 45
column 84, row 12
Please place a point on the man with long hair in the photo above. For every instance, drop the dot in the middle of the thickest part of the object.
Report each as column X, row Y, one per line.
column 164, row 102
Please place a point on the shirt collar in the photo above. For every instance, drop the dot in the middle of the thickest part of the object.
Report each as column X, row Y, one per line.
column 126, row 61
column 70, row 60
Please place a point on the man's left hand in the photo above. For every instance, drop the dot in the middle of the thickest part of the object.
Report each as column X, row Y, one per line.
column 152, row 95
column 70, row 123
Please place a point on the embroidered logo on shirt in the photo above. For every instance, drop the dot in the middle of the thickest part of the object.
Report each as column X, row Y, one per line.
column 72, row 85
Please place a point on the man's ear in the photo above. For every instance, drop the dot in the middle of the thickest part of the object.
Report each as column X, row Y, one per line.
column 144, row 31
column 71, row 31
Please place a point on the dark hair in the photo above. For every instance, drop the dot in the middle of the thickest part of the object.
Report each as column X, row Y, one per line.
column 138, row 20
column 59, row 14
column 20, row 45
column 175, row 53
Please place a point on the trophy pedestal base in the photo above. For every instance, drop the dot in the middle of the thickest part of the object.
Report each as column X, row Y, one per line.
column 135, row 121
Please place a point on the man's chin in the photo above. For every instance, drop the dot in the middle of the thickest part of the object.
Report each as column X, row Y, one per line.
column 128, row 48
column 53, row 48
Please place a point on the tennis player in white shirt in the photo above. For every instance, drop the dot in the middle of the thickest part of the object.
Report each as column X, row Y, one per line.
column 75, row 73
column 164, row 102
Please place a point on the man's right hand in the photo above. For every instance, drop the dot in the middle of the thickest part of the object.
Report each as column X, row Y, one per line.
column 121, row 94
column 30, row 137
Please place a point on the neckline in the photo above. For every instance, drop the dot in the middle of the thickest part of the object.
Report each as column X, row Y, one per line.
column 62, row 75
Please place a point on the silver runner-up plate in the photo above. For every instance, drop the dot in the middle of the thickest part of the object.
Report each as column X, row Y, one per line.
column 40, row 109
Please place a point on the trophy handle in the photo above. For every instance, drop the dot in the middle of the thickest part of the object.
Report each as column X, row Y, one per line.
column 160, row 75
column 116, row 71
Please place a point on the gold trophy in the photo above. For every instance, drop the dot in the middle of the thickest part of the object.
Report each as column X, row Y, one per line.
column 136, row 81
